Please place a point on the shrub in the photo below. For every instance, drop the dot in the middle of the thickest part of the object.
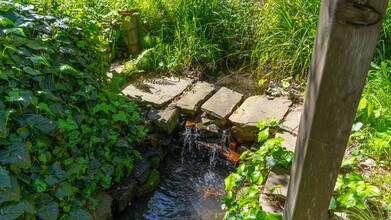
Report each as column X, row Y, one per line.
column 65, row 133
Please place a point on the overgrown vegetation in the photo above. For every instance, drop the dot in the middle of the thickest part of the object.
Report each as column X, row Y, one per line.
column 65, row 133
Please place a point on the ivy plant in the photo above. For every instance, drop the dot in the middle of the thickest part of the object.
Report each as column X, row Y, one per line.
column 244, row 186
column 65, row 132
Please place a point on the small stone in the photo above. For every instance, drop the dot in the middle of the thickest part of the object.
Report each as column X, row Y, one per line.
column 292, row 121
column 151, row 183
column 208, row 131
column 221, row 104
column 123, row 194
column 191, row 102
column 141, row 170
column 289, row 141
column 166, row 119
column 244, row 134
column 277, row 182
column 368, row 163
column 155, row 161
column 103, row 210
column 158, row 91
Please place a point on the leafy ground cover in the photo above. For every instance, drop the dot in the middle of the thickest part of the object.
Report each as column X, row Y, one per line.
column 65, row 133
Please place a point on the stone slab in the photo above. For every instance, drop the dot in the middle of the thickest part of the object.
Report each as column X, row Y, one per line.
column 268, row 205
column 256, row 108
column 158, row 91
column 221, row 104
column 289, row 141
column 292, row 121
column 141, row 170
column 277, row 182
column 191, row 102
column 166, row 118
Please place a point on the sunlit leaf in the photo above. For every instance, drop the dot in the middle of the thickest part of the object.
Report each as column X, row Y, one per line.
column 5, row 180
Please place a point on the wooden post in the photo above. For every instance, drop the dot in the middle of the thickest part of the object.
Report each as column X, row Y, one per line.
column 346, row 38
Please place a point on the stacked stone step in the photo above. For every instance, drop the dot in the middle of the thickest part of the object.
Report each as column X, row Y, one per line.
column 170, row 97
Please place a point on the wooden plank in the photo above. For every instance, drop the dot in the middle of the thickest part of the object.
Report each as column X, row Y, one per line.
column 344, row 45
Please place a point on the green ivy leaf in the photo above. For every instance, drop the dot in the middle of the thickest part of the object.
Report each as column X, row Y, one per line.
column 6, row 22
column 11, row 211
column 370, row 191
column 31, row 71
column 37, row 60
column 333, row 204
column 4, row 178
column 349, row 199
column 41, row 123
column 46, row 208
column 121, row 116
column 232, row 180
column 15, row 31
column 79, row 214
column 3, row 76
column 56, row 175
column 270, row 161
column 10, row 194
column 16, row 154
column 263, row 135
column 63, row 190
column 39, row 185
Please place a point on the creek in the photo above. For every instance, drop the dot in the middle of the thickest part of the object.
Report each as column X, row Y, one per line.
column 191, row 184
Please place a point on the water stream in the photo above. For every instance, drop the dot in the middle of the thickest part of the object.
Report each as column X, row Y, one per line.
column 191, row 185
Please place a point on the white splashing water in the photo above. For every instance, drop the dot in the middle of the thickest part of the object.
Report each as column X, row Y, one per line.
column 190, row 141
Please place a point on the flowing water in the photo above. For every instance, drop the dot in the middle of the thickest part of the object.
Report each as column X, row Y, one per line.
column 191, row 185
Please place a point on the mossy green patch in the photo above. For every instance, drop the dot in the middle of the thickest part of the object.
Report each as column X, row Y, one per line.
column 150, row 184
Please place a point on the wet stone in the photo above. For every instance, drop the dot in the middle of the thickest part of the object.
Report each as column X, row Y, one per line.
column 221, row 104
column 191, row 102
column 289, row 141
column 292, row 121
column 141, row 170
column 166, row 119
column 123, row 194
column 158, row 91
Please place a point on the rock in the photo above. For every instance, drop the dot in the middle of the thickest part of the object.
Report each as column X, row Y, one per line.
column 103, row 210
column 268, row 205
column 158, row 91
column 151, row 183
column 277, row 182
column 245, row 134
column 253, row 110
column 292, row 121
column 141, row 170
column 155, row 161
column 221, row 104
column 166, row 119
column 123, row 194
column 191, row 102
column 256, row 108
column 242, row 148
column 209, row 130
column 289, row 141
column 368, row 163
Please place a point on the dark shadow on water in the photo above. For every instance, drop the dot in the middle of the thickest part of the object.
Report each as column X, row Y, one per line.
column 188, row 190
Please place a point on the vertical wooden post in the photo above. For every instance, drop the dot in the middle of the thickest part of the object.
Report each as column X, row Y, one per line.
column 346, row 38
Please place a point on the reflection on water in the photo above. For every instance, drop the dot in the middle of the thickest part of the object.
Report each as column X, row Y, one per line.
column 191, row 189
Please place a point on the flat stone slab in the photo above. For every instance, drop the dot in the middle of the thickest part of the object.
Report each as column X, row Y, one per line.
column 268, row 205
column 158, row 91
column 292, row 121
column 191, row 102
column 289, row 141
column 166, row 118
column 221, row 104
column 277, row 182
column 256, row 108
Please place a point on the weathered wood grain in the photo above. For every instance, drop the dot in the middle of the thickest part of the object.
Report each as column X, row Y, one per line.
column 344, row 46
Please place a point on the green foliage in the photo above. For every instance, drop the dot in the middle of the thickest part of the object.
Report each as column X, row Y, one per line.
column 351, row 191
column 244, row 186
column 65, row 133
